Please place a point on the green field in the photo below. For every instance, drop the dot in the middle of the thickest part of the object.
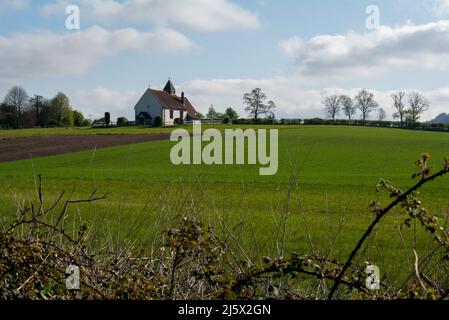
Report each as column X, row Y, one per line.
column 317, row 203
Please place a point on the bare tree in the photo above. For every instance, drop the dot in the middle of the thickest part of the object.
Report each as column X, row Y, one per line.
column 332, row 106
column 255, row 103
column 348, row 107
column 271, row 107
column 17, row 98
column 399, row 106
column 382, row 114
column 417, row 105
column 366, row 103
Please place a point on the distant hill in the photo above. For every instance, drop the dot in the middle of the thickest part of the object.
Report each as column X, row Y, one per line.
column 442, row 118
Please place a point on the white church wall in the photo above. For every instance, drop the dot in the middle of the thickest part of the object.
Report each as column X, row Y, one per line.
column 148, row 104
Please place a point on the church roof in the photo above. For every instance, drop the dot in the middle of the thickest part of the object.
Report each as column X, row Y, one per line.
column 170, row 88
column 173, row 102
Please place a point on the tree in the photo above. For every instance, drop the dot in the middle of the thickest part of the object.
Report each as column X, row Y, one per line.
column 231, row 114
column 255, row 103
column 79, row 120
column 17, row 98
column 7, row 116
column 37, row 102
column 199, row 115
column 332, row 106
column 122, row 121
column 348, row 107
column 212, row 114
column 366, row 103
column 49, row 114
column 417, row 106
column 107, row 118
column 61, row 112
column 157, row 122
column 28, row 118
column 399, row 106
column 271, row 107
column 382, row 114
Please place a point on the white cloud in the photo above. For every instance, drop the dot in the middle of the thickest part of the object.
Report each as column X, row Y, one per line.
column 439, row 102
column 14, row 5
column 203, row 15
column 385, row 49
column 94, row 103
column 42, row 54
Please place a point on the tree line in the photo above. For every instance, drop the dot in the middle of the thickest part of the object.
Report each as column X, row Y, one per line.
column 19, row 110
column 408, row 106
column 256, row 107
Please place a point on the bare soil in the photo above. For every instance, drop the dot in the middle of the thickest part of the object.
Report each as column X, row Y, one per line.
column 26, row 148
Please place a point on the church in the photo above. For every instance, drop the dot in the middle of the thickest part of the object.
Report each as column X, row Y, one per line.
column 164, row 107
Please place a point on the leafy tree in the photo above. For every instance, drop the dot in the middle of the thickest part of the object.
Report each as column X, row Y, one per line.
column 157, row 121
column 255, row 103
column 199, row 115
column 332, row 106
column 17, row 98
column 122, row 121
column 7, row 116
column 87, row 122
column 366, row 103
column 231, row 114
column 49, row 114
column 28, row 118
column 37, row 103
column 60, row 111
column 179, row 122
column 212, row 114
column 78, row 119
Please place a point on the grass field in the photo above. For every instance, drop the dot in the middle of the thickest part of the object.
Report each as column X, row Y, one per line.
column 317, row 203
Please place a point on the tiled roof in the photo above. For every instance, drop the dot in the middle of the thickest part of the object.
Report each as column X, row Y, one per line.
column 173, row 102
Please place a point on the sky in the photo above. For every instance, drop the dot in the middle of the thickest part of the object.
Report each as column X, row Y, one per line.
column 215, row 51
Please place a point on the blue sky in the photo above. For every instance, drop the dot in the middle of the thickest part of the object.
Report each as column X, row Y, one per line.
column 216, row 50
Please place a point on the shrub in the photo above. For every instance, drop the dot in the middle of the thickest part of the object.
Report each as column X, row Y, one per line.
column 291, row 122
column 265, row 121
column 157, row 122
column 122, row 121
column 193, row 261
column 107, row 118
column 315, row 122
